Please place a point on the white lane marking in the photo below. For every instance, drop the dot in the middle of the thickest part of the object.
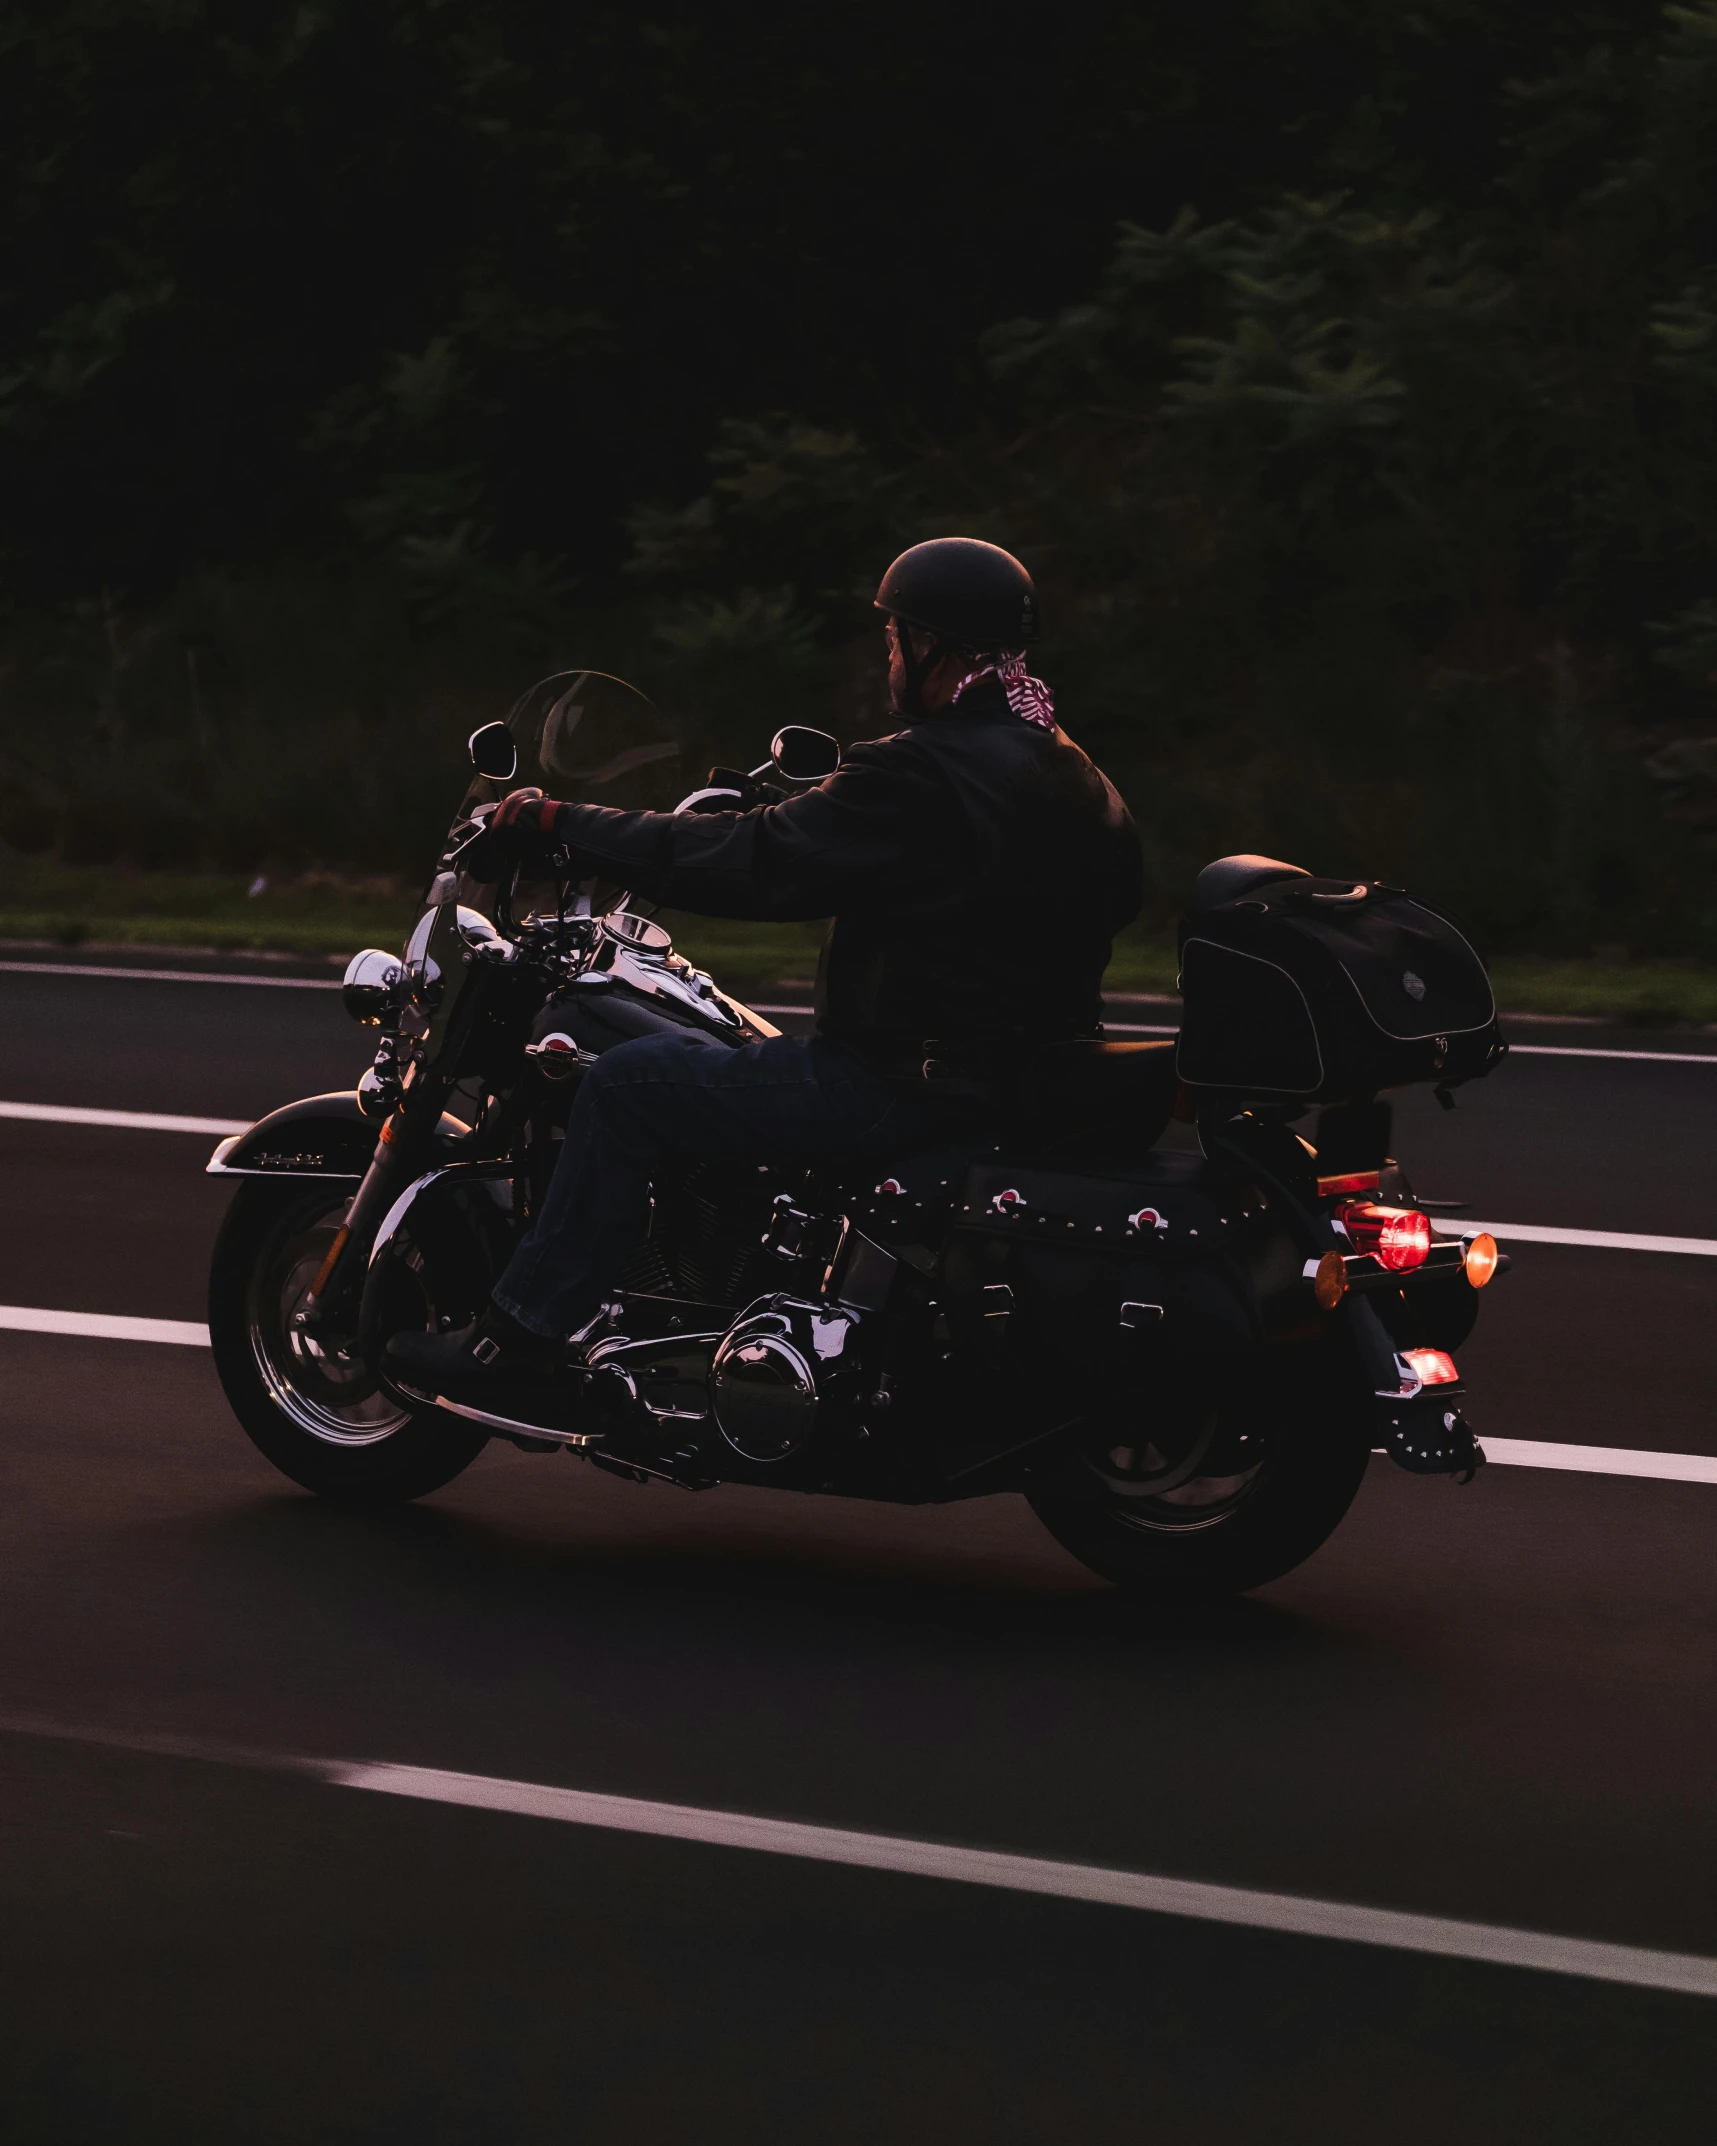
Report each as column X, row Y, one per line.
column 137, row 1121
column 1568, row 1050
column 167, row 976
column 1492, row 1943
column 102, row 1326
column 1594, row 1240
column 1510, row 1452
column 1496, row 1944
column 1601, row 1460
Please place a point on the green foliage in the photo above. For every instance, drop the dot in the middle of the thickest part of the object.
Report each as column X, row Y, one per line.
column 343, row 353
column 1360, row 519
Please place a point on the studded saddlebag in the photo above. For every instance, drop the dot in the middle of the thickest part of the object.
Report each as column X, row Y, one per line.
column 1085, row 1278
column 1327, row 990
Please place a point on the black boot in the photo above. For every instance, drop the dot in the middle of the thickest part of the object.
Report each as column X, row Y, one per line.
column 495, row 1366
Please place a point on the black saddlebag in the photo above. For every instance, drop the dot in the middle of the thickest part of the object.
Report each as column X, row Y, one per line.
column 1081, row 1278
column 1326, row 990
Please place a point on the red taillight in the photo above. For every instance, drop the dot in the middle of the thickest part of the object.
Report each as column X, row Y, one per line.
column 1431, row 1367
column 1398, row 1238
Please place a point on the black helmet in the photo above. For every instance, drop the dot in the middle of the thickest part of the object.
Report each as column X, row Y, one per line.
column 964, row 591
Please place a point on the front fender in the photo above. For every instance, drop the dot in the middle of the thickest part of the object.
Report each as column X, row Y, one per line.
column 319, row 1136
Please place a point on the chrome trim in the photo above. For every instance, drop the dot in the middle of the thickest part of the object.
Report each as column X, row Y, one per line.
column 1412, row 1385
column 396, row 1214
column 642, row 934
column 326, row 1177
column 480, row 935
column 451, row 1128
column 616, row 1355
column 578, row 1440
column 1364, row 1271
column 641, row 954
column 652, row 975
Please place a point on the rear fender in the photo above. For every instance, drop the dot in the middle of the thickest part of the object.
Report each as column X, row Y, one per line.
column 320, row 1136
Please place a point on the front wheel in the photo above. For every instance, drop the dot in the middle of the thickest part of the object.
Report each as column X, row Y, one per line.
column 1190, row 1500
column 310, row 1406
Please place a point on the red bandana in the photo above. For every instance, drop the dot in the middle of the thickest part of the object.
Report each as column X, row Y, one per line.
column 1028, row 697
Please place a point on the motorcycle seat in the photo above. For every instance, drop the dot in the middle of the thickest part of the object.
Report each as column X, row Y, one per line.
column 1081, row 1093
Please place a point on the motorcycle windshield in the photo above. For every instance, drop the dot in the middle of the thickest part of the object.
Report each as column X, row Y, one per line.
column 585, row 738
column 595, row 740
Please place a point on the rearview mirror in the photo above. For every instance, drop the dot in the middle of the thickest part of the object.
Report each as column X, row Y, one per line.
column 493, row 752
column 802, row 755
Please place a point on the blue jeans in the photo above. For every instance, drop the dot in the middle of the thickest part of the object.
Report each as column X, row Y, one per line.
column 688, row 1097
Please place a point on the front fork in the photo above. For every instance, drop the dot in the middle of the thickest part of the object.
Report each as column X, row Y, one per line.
column 404, row 1151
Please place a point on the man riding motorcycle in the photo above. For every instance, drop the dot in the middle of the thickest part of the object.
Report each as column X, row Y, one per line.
column 974, row 850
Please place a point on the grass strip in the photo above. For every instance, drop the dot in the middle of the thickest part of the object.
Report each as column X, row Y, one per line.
column 326, row 915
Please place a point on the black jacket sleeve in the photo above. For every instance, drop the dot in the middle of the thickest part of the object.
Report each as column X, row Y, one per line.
column 842, row 845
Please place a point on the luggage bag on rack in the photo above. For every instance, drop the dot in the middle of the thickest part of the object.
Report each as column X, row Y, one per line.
column 1322, row 990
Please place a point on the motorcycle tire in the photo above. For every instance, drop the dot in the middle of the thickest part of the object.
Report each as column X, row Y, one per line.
column 1168, row 1552
column 317, row 1415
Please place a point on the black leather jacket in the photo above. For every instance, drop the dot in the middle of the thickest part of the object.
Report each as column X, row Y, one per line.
column 976, row 868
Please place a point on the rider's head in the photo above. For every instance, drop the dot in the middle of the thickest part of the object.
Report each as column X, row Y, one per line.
column 948, row 602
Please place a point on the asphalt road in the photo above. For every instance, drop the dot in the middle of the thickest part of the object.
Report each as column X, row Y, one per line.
column 1490, row 1703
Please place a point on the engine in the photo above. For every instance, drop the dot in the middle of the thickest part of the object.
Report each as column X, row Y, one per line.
column 783, row 1374
column 781, row 1368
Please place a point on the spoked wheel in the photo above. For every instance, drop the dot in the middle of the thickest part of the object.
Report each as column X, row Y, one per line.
column 310, row 1404
column 1207, row 1496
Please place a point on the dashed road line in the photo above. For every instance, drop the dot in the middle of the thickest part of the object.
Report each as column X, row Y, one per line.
column 136, row 1121
column 168, row 976
column 1592, row 1240
column 102, row 1326
column 1192, row 1900
column 1095, row 1884
column 1569, row 1050
column 1601, row 1460
column 1509, row 1452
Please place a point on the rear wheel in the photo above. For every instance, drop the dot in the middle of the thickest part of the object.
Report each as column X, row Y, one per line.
column 311, row 1406
column 1194, row 1499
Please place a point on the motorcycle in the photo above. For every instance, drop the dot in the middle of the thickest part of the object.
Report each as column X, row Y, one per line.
column 1137, row 1294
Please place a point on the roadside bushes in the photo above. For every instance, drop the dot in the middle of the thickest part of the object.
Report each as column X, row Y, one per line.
column 1371, row 532
column 1374, row 501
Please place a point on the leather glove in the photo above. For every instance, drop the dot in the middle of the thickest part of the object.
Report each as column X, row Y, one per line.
column 519, row 829
column 524, row 821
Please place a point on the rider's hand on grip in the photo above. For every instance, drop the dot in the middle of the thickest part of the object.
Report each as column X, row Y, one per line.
column 521, row 826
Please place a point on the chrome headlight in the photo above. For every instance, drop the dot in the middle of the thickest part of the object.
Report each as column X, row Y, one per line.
column 372, row 986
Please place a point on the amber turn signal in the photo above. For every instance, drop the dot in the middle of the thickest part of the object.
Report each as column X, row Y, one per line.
column 1481, row 1258
column 1329, row 1284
